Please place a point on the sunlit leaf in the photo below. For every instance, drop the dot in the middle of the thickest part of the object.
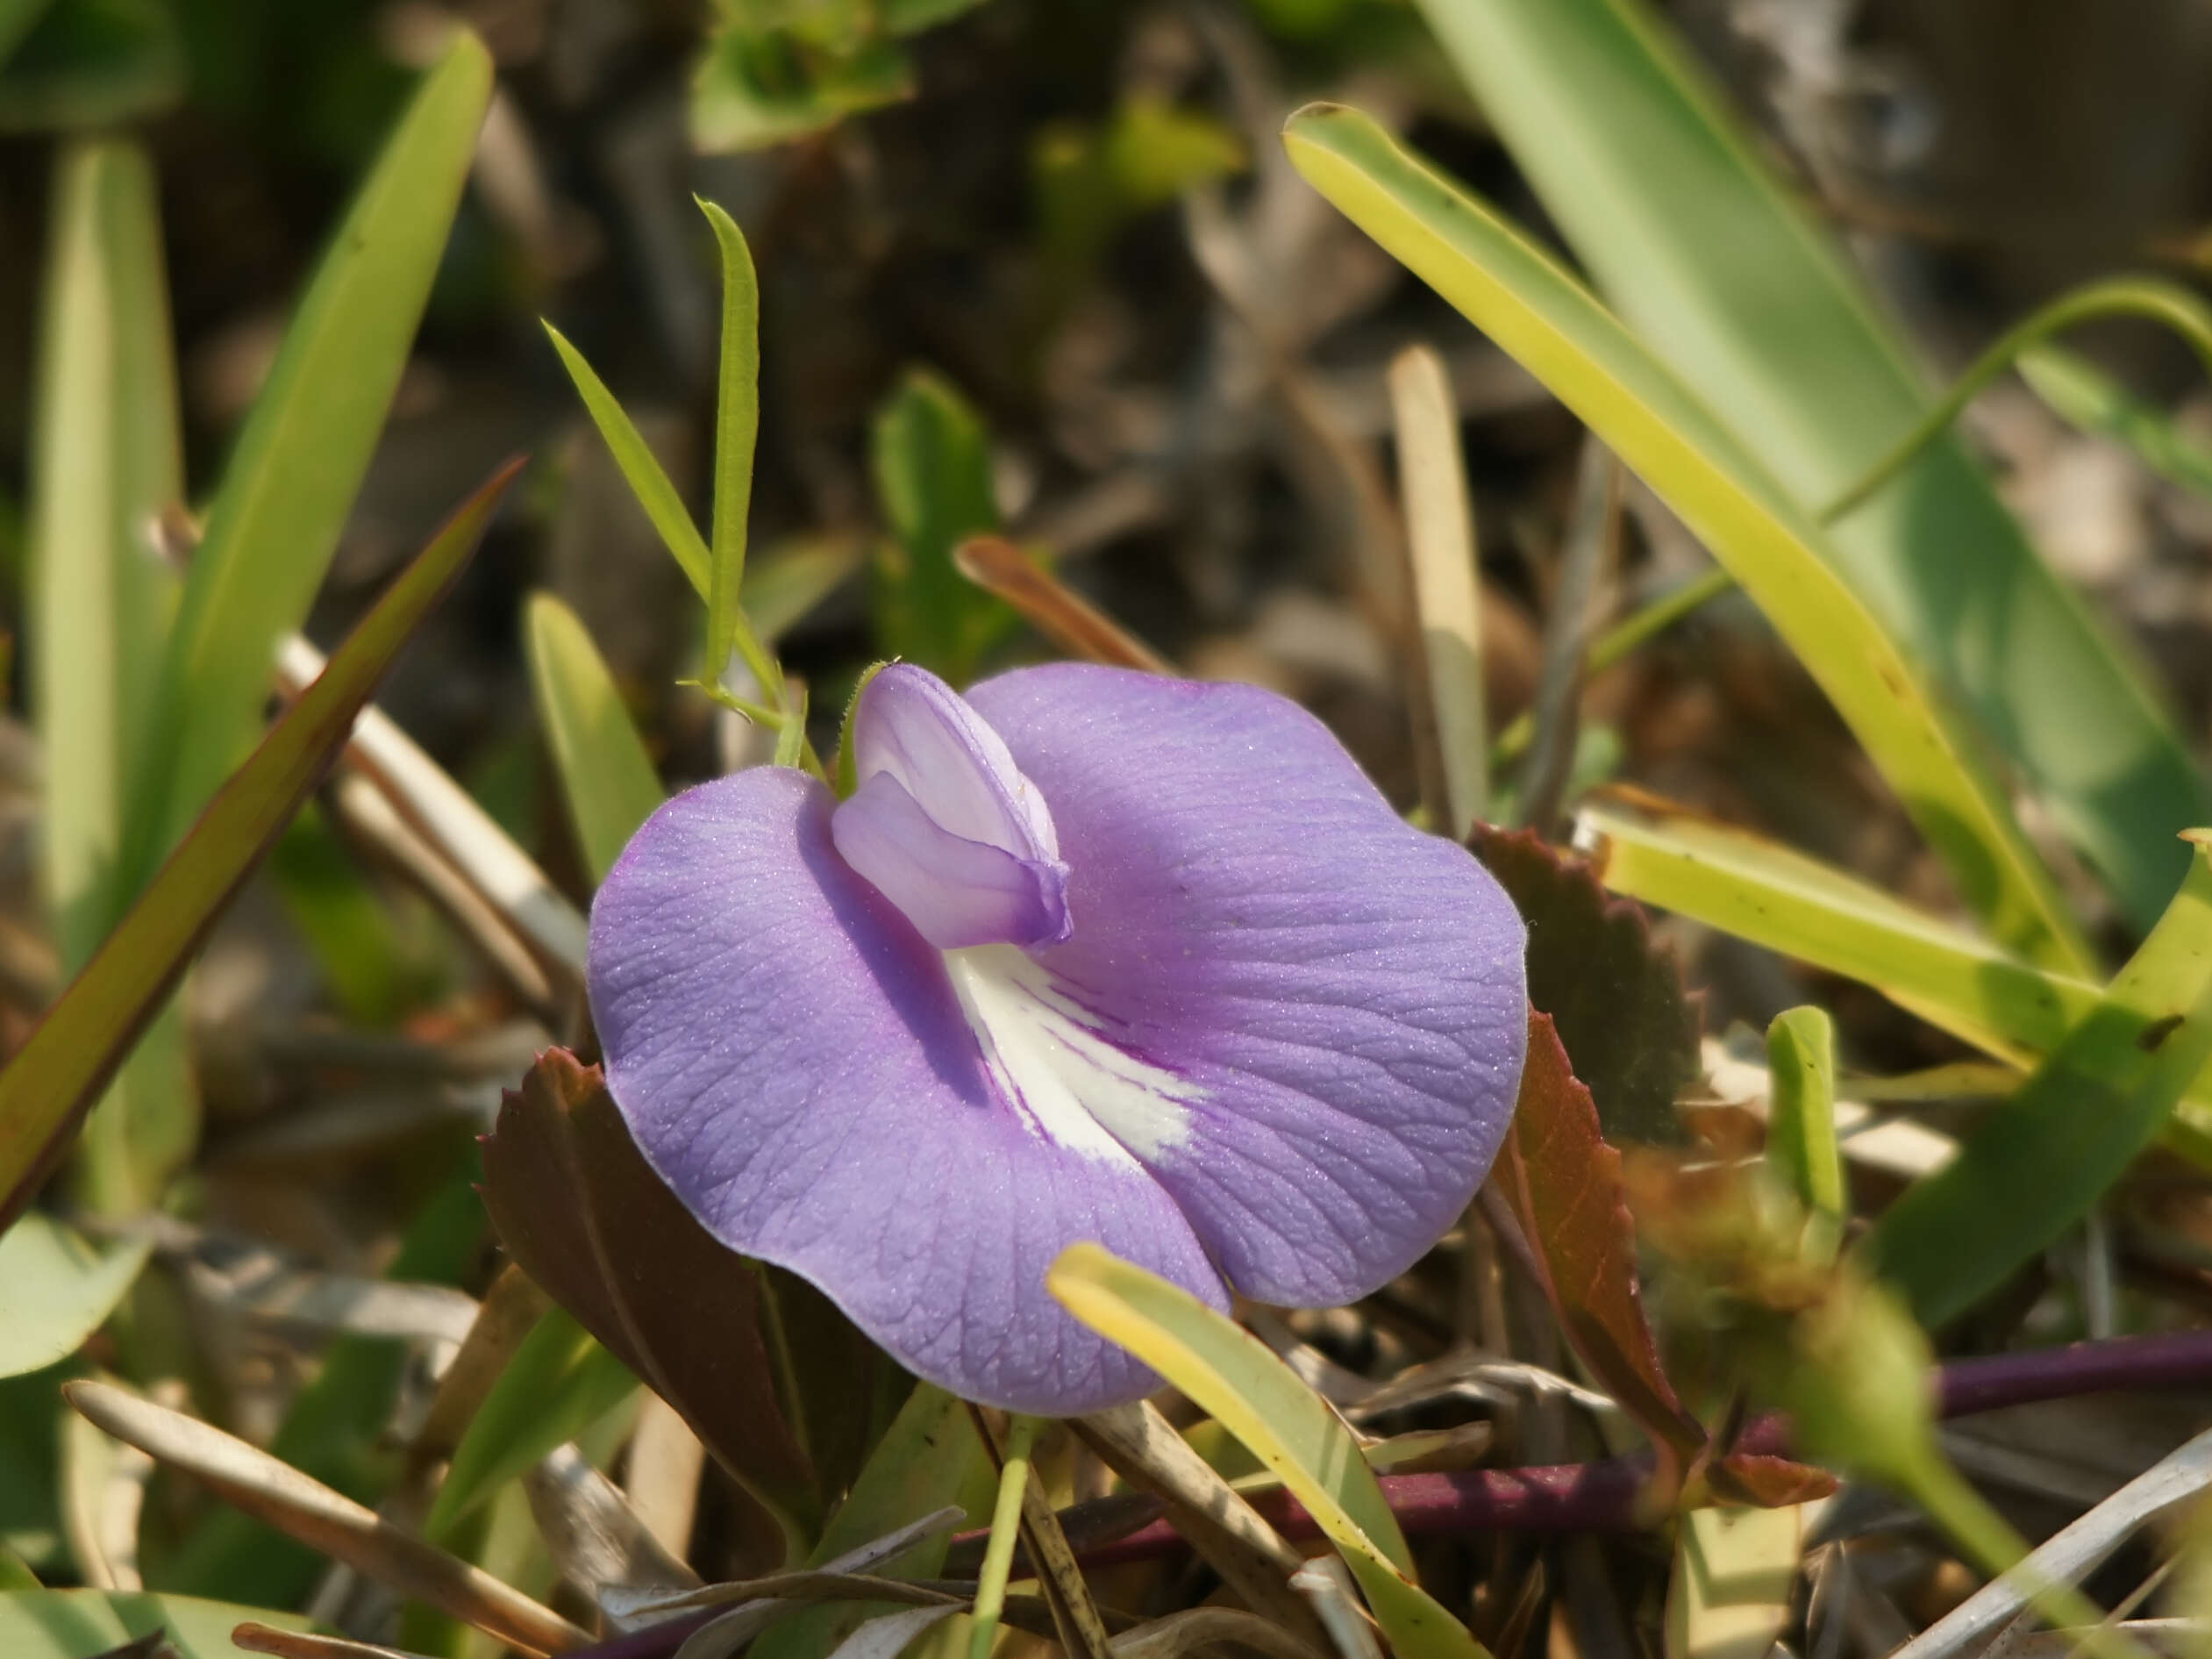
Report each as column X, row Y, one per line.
column 299, row 462
column 772, row 71
column 1233, row 1376
column 1633, row 403
column 56, row 1290
column 1717, row 265
column 54, row 1077
column 1735, row 1572
column 737, row 425
column 2036, row 1166
column 606, row 777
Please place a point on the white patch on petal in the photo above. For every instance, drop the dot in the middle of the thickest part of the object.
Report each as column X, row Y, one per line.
column 1076, row 1087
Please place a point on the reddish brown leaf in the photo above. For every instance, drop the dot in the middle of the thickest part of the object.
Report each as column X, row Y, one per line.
column 1754, row 1477
column 1616, row 996
column 584, row 1215
column 1564, row 1182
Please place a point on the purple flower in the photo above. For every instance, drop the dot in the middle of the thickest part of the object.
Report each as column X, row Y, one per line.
column 1088, row 954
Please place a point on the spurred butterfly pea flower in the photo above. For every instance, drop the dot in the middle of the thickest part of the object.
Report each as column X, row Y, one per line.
column 1088, row 954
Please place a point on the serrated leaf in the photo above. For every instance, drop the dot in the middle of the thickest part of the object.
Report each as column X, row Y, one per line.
column 1718, row 265
column 606, row 777
column 579, row 1208
column 1490, row 271
column 87, row 1033
column 1564, row 1182
column 1236, row 1379
column 56, row 1290
column 1614, row 994
column 2035, row 1167
column 299, row 462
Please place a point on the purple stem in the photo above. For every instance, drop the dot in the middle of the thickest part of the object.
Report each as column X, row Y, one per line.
column 1601, row 1497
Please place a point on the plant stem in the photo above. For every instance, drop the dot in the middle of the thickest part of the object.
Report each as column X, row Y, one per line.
column 1006, row 1530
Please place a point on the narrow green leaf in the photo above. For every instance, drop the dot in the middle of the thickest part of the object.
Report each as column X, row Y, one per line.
column 109, row 459
column 1006, row 1531
column 605, row 773
column 791, row 741
column 1716, row 263
column 647, row 481
column 1801, row 1117
column 300, row 461
column 735, row 428
column 1231, row 1376
column 2088, row 397
column 68, row 1624
column 559, row 1382
column 2034, row 1169
column 1540, row 314
column 85, row 1035
column 56, row 1290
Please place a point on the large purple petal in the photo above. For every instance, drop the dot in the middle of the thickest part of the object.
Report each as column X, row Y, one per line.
column 793, row 1061
column 1342, row 996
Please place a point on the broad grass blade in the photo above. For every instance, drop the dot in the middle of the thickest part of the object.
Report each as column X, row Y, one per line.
column 2034, row 1169
column 299, row 462
column 66, row 1624
column 85, row 1037
column 1231, row 1376
column 1637, row 407
column 1696, row 244
column 109, row 460
column 605, row 773
column 56, row 1290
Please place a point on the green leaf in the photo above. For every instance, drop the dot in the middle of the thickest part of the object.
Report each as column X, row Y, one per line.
column 301, row 458
column 1773, row 896
column 774, row 70
column 1801, row 1119
column 2089, row 399
column 108, row 461
column 85, row 64
column 605, row 773
column 2036, row 1166
column 56, row 1290
column 85, row 1035
column 655, row 493
column 1233, row 1377
column 1712, row 262
column 931, row 459
column 1090, row 181
column 16, row 19
column 783, row 586
column 928, row 1459
column 1633, row 403
column 69, row 1624
column 735, row 428
column 560, row 1382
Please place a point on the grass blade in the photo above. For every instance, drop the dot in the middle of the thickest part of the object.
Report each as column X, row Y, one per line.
column 736, row 427
column 605, row 773
column 1630, row 400
column 52, row 1080
column 2035, row 1168
column 1231, row 1376
column 655, row 492
column 1704, row 253
column 299, row 462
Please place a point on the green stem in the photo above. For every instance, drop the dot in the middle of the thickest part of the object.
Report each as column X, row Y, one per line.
column 2117, row 296
column 1006, row 1528
column 1993, row 1546
column 1616, row 642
